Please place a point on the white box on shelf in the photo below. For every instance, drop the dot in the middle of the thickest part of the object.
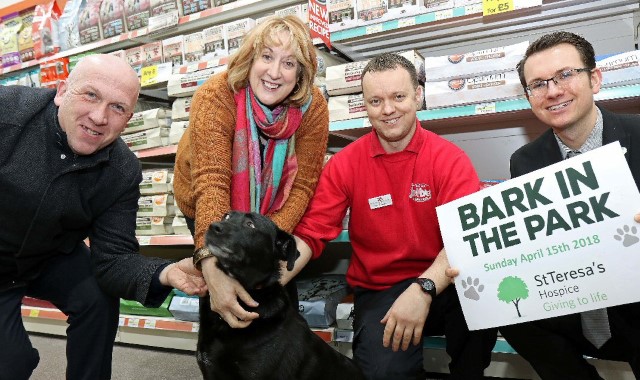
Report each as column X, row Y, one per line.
column 235, row 32
column 371, row 11
column 215, row 43
column 156, row 205
column 173, row 50
column 193, row 47
column 344, row 107
column 480, row 89
column 180, row 225
column 180, row 108
column 153, row 118
column 186, row 84
column 342, row 14
column 149, row 138
column 438, row 5
column 493, row 60
column 346, row 78
column 155, row 181
column 619, row 69
column 153, row 225
column 299, row 10
column 404, row 8
column 177, row 129
column 344, row 316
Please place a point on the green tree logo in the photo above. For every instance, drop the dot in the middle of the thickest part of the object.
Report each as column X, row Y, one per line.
column 513, row 289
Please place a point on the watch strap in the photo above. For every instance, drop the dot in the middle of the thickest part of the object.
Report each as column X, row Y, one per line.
column 199, row 255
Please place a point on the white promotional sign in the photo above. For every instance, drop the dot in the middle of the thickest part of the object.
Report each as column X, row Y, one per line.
column 559, row 240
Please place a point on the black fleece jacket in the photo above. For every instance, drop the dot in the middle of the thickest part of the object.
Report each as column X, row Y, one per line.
column 52, row 199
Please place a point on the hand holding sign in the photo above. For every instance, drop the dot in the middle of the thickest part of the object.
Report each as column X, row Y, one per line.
column 553, row 242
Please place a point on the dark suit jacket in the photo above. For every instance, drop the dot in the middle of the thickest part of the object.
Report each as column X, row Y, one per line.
column 544, row 150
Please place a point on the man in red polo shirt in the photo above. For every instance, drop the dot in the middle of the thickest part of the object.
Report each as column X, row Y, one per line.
column 393, row 179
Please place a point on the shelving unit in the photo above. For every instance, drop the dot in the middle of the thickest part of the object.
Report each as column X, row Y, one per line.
column 609, row 24
column 135, row 329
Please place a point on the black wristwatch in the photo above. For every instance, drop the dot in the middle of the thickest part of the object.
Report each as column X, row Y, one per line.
column 427, row 286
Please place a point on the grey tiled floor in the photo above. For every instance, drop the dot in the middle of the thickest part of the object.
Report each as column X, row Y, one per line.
column 130, row 362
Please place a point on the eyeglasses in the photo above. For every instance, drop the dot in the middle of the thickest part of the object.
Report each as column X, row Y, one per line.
column 540, row 87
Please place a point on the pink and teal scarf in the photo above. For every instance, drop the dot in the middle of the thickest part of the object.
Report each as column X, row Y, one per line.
column 262, row 184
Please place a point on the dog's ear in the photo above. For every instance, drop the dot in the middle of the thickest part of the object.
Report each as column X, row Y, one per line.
column 286, row 244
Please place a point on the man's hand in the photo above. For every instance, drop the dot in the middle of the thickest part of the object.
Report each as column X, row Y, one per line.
column 185, row 277
column 452, row 273
column 405, row 319
column 224, row 293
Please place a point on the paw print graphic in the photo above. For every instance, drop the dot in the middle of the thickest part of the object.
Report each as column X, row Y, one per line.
column 627, row 235
column 473, row 288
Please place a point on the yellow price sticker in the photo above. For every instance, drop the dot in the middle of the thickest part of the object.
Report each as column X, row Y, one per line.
column 34, row 313
column 149, row 75
column 493, row 7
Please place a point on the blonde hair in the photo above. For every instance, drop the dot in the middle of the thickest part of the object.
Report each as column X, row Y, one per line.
column 267, row 34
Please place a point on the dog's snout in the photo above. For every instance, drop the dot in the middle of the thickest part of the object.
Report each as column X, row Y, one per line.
column 216, row 228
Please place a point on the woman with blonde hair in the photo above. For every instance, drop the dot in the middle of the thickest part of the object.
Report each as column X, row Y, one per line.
column 256, row 142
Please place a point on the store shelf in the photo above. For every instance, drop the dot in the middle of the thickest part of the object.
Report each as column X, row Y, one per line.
column 166, row 240
column 186, row 24
column 465, row 29
column 159, row 151
column 135, row 329
column 502, row 108
column 412, row 21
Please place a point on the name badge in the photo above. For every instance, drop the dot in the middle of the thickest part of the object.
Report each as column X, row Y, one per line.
column 381, row 201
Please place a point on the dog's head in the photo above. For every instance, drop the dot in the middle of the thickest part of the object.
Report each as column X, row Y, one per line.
column 249, row 248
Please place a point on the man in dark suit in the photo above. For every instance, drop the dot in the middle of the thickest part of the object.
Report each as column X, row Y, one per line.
column 560, row 78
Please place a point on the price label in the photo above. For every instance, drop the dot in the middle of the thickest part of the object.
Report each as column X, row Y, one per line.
column 149, row 75
column 493, row 7
column 34, row 313
column 404, row 22
column 149, row 323
column 444, row 14
column 144, row 240
column 371, row 29
column 485, row 108
column 133, row 322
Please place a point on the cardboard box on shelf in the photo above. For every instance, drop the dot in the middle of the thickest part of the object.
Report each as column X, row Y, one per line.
column 475, row 63
column 173, row 50
column 620, row 69
column 136, row 13
column 154, row 225
column 346, row 78
column 215, row 43
column 235, row 32
column 480, row 89
column 342, row 14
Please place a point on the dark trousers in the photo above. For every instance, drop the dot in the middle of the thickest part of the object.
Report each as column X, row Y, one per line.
column 68, row 283
column 555, row 347
column 470, row 351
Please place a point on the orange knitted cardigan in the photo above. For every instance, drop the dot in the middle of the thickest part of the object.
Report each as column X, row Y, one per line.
column 202, row 172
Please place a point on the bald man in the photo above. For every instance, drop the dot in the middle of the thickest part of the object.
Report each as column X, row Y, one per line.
column 65, row 176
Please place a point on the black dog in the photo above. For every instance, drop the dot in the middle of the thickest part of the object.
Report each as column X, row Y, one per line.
column 279, row 345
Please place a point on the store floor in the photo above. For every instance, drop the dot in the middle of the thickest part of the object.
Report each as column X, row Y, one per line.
column 130, row 362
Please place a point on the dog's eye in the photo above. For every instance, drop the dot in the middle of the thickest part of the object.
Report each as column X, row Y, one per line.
column 249, row 224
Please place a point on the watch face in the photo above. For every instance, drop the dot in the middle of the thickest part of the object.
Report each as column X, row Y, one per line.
column 428, row 286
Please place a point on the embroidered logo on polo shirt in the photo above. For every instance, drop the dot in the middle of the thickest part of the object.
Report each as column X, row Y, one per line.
column 420, row 192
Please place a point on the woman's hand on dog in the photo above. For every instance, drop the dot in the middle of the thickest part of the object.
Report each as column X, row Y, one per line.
column 224, row 293
column 183, row 276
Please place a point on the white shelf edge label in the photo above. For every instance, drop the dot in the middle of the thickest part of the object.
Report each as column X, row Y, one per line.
column 372, row 29
column 162, row 21
column 485, row 108
column 444, row 14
